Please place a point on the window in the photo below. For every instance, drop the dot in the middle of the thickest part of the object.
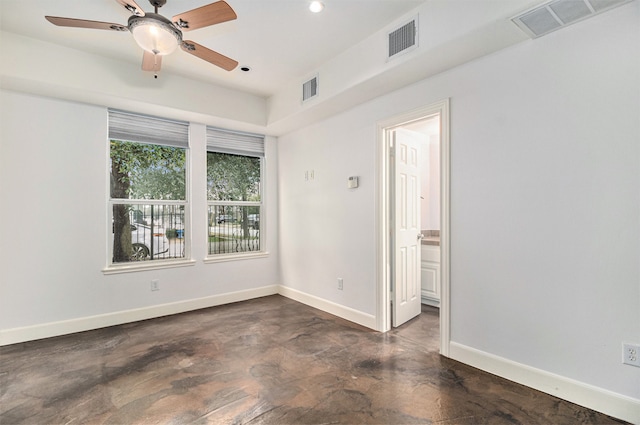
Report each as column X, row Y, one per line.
column 148, row 196
column 234, row 191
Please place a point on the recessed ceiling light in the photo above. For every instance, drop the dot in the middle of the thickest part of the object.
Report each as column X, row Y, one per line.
column 245, row 69
column 316, row 6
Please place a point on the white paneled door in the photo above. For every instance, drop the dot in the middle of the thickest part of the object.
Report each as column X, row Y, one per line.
column 406, row 222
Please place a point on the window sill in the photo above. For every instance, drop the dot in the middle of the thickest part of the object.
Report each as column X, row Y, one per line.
column 235, row 257
column 129, row 268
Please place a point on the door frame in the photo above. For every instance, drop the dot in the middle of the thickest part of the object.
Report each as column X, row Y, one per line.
column 383, row 208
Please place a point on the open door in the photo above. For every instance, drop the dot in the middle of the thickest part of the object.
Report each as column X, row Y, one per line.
column 405, row 285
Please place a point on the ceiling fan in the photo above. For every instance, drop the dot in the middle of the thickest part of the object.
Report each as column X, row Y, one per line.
column 159, row 36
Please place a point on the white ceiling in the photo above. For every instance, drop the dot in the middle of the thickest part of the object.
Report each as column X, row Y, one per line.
column 280, row 40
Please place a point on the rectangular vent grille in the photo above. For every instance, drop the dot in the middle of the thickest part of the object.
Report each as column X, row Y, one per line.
column 403, row 38
column 560, row 13
column 310, row 89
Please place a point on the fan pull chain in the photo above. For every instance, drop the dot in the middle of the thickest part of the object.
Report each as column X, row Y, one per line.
column 155, row 65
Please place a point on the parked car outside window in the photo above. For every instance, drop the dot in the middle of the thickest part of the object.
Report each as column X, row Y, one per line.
column 141, row 242
column 225, row 218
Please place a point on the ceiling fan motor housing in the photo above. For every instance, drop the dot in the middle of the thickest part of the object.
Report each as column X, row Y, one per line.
column 157, row 3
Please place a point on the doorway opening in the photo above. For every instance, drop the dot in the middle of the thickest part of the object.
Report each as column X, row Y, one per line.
column 413, row 223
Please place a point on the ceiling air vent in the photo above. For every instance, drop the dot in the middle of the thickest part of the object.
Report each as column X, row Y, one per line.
column 560, row 13
column 403, row 38
column 310, row 89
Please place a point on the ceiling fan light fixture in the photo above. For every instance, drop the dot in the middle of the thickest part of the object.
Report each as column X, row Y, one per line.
column 316, row 6
column 155, row 33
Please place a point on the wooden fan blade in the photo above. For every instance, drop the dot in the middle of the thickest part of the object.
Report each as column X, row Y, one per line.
column 151, row 62
column 204, row 16
column 208, row 55
column 131, row 7
column 83, row 23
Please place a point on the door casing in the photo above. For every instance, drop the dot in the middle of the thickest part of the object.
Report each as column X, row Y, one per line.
column 384, row 203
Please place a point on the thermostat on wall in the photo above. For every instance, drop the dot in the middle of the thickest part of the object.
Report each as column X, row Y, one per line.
column 353, row 182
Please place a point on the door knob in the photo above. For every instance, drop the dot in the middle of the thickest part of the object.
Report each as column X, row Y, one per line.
column 420, row 236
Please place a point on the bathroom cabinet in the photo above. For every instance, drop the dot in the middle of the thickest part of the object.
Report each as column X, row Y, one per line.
column 430, row 275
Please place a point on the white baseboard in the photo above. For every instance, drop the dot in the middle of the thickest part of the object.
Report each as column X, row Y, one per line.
column 47, row 330
column 610, row 403
column 430, row 301
column 366, row 320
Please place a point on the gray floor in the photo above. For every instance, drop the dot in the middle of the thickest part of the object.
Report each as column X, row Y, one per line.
column 264, row 361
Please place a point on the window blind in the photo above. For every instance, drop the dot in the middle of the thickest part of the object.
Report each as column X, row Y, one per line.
column 131, row 127
column 234, row 142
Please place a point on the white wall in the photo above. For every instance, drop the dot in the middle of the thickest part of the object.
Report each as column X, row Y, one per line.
column 545, row 201
column 430, row 184
column 430, row 171
column 329, row 229
column 54, row 189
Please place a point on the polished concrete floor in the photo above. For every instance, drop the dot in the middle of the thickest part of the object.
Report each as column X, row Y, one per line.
column 264, row 361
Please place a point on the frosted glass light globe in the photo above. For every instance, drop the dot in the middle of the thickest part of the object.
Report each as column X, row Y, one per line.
column 155, row 33
column 316, row 6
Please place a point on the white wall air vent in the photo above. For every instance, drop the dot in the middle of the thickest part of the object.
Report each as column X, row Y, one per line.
column 310, row 89
column 404, row 38
column 560, row 13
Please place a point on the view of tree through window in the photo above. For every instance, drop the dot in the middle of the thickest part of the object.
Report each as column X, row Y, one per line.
column 140, row 173
column 233, row 191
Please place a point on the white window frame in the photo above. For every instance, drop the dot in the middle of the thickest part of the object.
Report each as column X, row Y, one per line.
column 138, row 128
column 244, row 144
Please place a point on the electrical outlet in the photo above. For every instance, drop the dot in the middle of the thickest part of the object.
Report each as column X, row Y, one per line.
column 340, row 283
column 155, row 285
column 631, row 354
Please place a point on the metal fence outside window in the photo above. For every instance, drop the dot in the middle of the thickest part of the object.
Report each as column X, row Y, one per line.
column 157, row 231
column 233, row 228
